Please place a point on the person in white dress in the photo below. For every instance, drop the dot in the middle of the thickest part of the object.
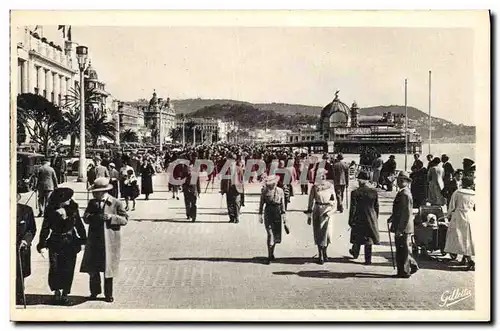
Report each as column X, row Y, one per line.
column 459, row 236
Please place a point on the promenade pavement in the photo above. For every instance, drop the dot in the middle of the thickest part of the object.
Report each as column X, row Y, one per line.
column 169, row 262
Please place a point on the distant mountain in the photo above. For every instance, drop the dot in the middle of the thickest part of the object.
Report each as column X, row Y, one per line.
column 281, row 116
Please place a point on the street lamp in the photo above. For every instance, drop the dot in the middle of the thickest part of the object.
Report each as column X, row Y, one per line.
column 82, row 55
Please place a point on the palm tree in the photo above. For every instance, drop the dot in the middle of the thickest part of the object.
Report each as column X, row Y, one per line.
column 71, row 119
column 97, row 126
column 129, row 136
column 71, row 115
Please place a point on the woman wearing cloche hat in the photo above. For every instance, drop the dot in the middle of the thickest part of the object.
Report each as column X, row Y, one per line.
column 320, row 210
column 63, row 234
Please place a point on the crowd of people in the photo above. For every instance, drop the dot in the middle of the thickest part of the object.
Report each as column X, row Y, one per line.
column 326, row 183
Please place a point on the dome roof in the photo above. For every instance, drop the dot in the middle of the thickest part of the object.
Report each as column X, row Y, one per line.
column 335, row 106
column 91, row 72
column 154, row 99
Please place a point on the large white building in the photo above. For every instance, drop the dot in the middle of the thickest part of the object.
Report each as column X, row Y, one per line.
column 45, row 67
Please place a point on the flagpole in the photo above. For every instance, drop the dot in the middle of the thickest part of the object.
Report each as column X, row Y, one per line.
column 430, row 118
column 406, row 124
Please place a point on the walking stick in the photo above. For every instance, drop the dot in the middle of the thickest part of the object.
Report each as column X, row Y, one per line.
column 347, row 196
column 22, row 274
column 206, row 188
column 390, row 244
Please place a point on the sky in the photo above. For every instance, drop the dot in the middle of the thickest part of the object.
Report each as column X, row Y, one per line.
column 296, row 65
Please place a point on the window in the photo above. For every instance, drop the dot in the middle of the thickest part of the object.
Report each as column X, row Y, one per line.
column 52, row 97
column 59, row 98
column 45, row 94
column 37, row 91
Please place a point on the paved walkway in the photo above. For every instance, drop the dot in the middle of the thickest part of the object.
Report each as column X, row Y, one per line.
column 168, row 262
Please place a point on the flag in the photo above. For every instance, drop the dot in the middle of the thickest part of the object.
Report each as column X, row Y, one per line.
column 63, row 28
column 66, row 30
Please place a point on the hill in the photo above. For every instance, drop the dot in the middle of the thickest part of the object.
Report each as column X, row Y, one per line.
column 286, row 116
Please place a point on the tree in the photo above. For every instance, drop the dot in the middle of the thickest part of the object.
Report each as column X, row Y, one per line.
column 97, row 126
column 20, row 131
column 176, row 134
column 71, row 114
column 42, row 119
column 129, row 136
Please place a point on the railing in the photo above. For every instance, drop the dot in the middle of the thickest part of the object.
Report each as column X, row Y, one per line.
column 50, row 52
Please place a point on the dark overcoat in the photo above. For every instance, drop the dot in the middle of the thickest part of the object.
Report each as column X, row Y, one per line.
column 146, row 173
column 402, row 212
column 363, row 216
column 102, row 250
column 26, row 230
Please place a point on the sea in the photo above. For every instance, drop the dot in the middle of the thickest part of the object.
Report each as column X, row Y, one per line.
column 456, row 153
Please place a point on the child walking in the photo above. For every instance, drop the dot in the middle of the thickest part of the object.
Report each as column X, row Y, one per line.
column 131, row 189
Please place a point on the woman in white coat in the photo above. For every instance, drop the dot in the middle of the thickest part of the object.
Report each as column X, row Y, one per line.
column 459, row 236
column 436, row 183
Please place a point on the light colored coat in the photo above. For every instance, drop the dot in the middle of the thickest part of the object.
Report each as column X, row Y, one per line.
column 47, row 179
column 459, row 238
column 436, row 185
column 103, row 237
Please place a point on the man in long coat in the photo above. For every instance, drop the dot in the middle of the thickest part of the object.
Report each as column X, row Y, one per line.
column 105, row 216
column 46, row 183
column 340, row 180
column 233, row 188
column 363, row 218
column 191, row 190
column 402, row 226
column 25, row 232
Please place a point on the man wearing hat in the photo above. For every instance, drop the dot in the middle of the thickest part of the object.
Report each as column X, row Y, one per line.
column 46, row 183
column 114, row 176
column 233, row 188
column 25, row 232
column 340, row 180
column 402, row 226
column 105, row 216
column 448, row 170
column 363, row 218
column 190, row 189
column 100, row 170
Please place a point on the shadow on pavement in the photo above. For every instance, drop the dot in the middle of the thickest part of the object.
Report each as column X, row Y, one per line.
column 172, row 220
column 45, row 299
column 332, row 275
column 360, row 260
column 256, row 260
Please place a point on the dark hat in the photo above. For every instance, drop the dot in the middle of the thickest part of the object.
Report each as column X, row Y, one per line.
column 467, row 163
column 60, row 195
column 404, row 175
column 392, row 157
column 363, row 175
column 325, row 156
column 340, row 156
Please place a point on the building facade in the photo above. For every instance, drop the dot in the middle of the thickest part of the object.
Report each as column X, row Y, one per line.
column 130, row 117
column 44, row 67
column 92, row 83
